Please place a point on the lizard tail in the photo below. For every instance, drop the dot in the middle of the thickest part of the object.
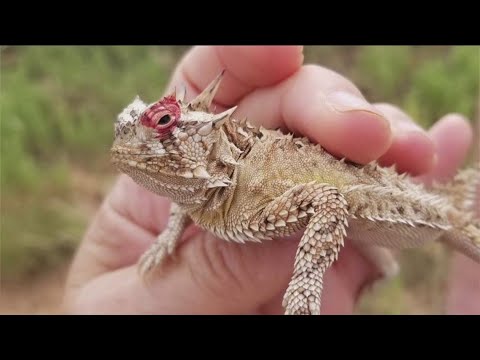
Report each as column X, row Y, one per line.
column 461, row 191
column 466, row 240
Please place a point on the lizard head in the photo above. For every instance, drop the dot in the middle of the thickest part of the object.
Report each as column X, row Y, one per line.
column 169, row 145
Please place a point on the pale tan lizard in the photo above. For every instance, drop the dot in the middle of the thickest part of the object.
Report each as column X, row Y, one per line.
column 246, row 183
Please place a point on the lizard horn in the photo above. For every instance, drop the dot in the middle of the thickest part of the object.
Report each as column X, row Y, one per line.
column 178, row 93
column 173, row 92
column 181, row 94
column 203, row 101
column 219, row 119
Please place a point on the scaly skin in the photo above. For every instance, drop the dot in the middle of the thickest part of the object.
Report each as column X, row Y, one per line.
column 245, row 183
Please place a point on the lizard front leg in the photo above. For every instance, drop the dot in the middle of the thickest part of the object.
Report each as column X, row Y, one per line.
column 318, row 249
column 322, row 211
column 166, row 242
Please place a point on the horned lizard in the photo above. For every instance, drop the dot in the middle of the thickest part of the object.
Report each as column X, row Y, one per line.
column 246, row 183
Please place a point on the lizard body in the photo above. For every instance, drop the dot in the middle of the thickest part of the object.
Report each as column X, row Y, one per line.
column 247, row 183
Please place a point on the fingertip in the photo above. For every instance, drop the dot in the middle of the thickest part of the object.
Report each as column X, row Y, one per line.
column 452, row 136
column 456, row 123
column 412, row 151
column 362, row 136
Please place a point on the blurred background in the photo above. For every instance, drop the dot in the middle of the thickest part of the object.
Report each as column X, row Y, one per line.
column 57, row 110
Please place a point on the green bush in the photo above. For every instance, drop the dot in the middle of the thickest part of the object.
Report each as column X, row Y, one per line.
column 57, row 113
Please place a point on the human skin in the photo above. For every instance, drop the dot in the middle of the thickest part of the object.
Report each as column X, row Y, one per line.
column 274, row 88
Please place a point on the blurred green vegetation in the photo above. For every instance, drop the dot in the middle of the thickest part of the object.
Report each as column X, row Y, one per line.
column 58, row 107
column 57, row 110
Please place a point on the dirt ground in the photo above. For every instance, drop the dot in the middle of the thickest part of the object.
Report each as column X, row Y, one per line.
column 42, row 296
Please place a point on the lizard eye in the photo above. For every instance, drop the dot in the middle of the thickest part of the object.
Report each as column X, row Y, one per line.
column 158, row 119
column 164, row 120
column 162, row 116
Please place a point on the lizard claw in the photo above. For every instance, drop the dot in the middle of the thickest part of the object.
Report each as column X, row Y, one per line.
column 152, row 258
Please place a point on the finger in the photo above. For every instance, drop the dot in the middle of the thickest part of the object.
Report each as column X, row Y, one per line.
column 324, row 106
column 452, row 136
column 247, row 67
column 412, row 150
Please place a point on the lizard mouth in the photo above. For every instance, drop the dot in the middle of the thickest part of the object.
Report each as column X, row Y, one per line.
column 126, row 160
column 134, row 153
column 133, row 164
column 132, row 158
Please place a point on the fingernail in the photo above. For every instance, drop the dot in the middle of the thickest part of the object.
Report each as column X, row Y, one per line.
column 344, row 102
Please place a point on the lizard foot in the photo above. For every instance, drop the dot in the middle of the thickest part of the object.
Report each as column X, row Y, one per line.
column 153, row 258
column 166, row 242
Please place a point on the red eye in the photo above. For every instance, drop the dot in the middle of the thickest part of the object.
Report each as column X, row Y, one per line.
column 164, row 120
column 162, row 116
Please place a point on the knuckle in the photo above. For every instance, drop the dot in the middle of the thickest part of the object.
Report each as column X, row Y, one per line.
column 330, row 79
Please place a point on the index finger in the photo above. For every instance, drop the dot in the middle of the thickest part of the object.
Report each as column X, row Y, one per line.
column 247, row 68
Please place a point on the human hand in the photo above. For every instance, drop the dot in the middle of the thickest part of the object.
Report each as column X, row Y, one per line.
column 272, row 87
